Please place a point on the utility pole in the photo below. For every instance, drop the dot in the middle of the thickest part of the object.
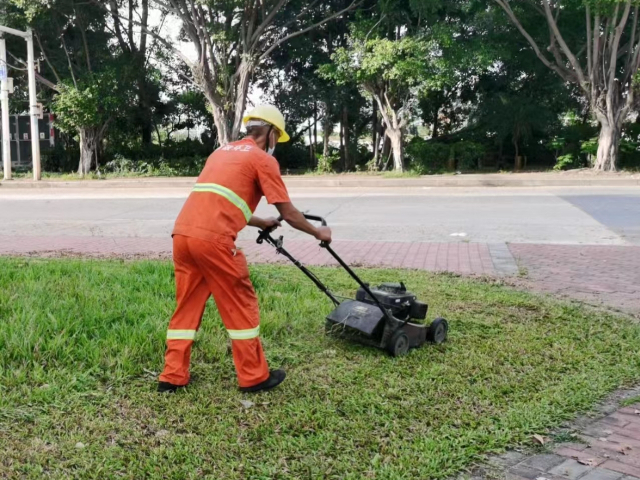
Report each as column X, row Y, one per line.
column 4, row 106
column 34, row 110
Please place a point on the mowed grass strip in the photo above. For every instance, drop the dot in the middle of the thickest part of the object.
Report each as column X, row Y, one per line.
column 81, row 343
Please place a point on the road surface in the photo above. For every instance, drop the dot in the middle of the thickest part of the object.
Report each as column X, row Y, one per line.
column 540, row 215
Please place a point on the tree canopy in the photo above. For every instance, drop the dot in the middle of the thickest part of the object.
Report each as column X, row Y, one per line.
column 421, row 85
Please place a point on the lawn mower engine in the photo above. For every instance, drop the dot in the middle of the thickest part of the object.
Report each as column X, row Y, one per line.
column 394, row 296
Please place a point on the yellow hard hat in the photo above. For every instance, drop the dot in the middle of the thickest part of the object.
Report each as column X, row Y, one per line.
column 271, row 115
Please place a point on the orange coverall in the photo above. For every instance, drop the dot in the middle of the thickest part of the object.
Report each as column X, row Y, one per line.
column 207, row 262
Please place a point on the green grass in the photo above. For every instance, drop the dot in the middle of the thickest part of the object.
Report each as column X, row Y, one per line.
column 630, row 401
column 81, row 343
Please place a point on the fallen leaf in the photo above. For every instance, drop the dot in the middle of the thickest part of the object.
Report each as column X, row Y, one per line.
column 79, row 445
column 624, row 449
column 540, row 439
column 590, row 462
column 247, row 403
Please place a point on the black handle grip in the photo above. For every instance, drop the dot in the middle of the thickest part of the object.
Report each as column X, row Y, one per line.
column 263, row 234
column 316, row 218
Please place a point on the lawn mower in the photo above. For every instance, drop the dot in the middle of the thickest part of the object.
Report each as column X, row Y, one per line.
column 380, row 316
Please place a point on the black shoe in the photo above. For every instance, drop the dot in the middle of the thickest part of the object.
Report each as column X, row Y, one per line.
column 276, row 377
column 166, row 387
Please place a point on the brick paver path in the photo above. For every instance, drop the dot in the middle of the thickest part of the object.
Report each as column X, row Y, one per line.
column 608, row 275
column 609, row 449
column 463, row 258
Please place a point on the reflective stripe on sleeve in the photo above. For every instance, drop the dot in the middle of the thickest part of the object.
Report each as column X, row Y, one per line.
column 226, row 193
column 244, row 334
column 181, row 334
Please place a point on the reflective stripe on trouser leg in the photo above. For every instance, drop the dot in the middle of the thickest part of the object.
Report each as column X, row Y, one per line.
column 247, row 334
column 181, row 335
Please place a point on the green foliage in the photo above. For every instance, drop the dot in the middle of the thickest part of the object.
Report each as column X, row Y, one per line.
column 326, row 164
column 556, row 143
column 467, row 154
column 91, row 104
column 566, row 162
column 590, row 147
column 432, row 156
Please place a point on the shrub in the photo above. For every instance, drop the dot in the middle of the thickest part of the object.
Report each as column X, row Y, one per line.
column 566, row 162
column 429, row 156
column 326, row 164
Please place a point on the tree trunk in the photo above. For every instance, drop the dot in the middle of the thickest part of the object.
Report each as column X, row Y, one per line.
column 88, row 149
column 312, row 149
column 342, row 146
column 608, row 146
column 240, row 101
column 374, row 132
column 395, row 136
column 327, row 129
column 144, row 107
column 436, row 118
column 227, row 116
column 517, row 161
column 315, row 125
column 155, row 125
column 386, row 149
column 222, row 126
column 345, row 125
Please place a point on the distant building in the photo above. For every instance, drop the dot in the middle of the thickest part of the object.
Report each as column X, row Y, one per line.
column 20, row 132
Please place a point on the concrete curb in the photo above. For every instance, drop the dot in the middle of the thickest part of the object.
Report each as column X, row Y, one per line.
column 356, row 181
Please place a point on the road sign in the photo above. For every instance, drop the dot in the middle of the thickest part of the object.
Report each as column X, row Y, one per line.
column 3, row 71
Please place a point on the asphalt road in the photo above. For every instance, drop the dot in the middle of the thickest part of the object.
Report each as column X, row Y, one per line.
column 558, row 215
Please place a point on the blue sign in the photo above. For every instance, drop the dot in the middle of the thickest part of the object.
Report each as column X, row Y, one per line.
column 3, row 71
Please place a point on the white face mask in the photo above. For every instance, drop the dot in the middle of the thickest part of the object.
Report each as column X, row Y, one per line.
column 270, row 150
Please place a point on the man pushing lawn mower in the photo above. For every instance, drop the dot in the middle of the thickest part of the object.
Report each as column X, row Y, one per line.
column 206, row 261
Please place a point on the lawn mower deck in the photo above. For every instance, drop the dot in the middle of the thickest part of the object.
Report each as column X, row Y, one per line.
column 387, row 316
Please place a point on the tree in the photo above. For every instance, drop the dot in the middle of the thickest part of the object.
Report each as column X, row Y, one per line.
column 134, row 45
column 76, row 46
column 231, row 38
column 88, row 109
column 392, row 72
column 601, row 56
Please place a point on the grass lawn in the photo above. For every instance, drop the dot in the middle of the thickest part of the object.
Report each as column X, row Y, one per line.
column 81, row 343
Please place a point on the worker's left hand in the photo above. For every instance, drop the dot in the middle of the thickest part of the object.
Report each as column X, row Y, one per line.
column 271, row 223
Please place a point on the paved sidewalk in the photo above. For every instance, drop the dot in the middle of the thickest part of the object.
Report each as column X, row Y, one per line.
column 606, row 449
column 462, row 258
column 584, row 177
column 599, row 275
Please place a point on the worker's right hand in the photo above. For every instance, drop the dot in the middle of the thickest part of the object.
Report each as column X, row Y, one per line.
column 323, row 234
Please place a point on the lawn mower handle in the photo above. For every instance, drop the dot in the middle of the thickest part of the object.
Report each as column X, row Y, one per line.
column 262, row 236
column 265, row 235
